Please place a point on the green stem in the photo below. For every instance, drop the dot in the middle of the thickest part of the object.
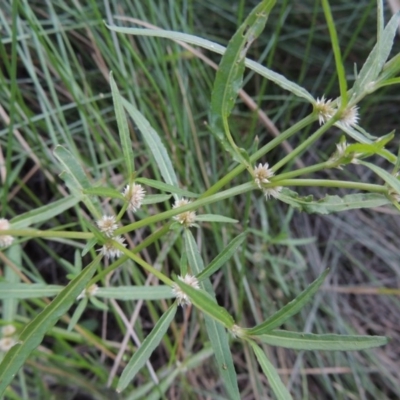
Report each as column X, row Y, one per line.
column 143, row 264
column 261, row 152
column 305, row 145
column 189, row 207
column 302, row 171
column 331, row 183
column 43, row 234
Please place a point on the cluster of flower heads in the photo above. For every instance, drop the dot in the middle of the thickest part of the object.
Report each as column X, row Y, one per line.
column 262, row 174
column 180, row 295
column 341, row 157
column 134, row 194
column 5, row 240
column 8, row 340
column 326, row 111
column 187, row 218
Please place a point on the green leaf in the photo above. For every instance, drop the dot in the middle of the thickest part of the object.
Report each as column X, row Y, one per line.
column 33, row 333
column 215, row 218
column 10, row 290
column 217, row 334
column 328, row 342
column 155, row 198
column 333, row 204
column 391, row 180
column 104, row 192
column 44, row 213
column 9, row 306
column 144, row 352
column 123, row 128
column 222, row 257
column 271, row 373
column 136, row 292
column 229, row 77
column 290, row 309
column 165, row 187
column 279, row 79
column 76, row 179
column 77, row 313
column 154, row 143
column 206, row 303
column 377, row 58
column 89, row 245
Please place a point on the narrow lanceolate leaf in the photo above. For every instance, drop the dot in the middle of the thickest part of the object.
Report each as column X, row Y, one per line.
column 278, row 79
column 144, row 352
column 76, row 179
column 391, row 180
column 309, row 341
column 104, row 192
column 165, row 187
column 154, row 144
column 217, row 334
column 123, row 129
column 333, row 204
column 222, row 257
column 290, row 309
column 215, row 218
column 206, row 303
column 229, row 78
column 136, row 292
column 44, row 213
column 10, row 290
column 271, row 373
column 33, row 333
column 155, row 198
column 377, row 58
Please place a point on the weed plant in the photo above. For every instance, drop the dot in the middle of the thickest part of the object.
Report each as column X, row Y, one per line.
column 141, row 257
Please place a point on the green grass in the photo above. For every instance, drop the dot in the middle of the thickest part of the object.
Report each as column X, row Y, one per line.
column 55, row 90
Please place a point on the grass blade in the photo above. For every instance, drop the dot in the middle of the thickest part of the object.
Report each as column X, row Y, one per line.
column 33, row 333
column 271, row 373
column 290, row 309
column 136, row 292
column 328, row 342
column 123, row 128
column 10, row 290
column 278, row 79
column 152, row 340
column 154, row 144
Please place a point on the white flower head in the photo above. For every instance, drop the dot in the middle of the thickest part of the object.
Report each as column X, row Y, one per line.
column 237, row 331
column 262, row 174
column 350, row 117
column 272, row 192
column 8, row 330
column 325, row 110
column 88, row 292
column 107, row 225
column 134, row 194
column 186, row 218
column 180, row 295
column 5, row 240
column 108, row 250
column 6, row 343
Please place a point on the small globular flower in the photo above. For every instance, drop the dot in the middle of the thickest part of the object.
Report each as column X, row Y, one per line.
column 325, row 110
column 6, row 343
column 272, row 192
column 5, row 240
column 88, row 292
column 340, row 157
column 237, row 331
column 262, row 174
column 134, row 194
column 180, row 295
column 8, row 330
column 107, row 225
column 350, row 117
column 186, row 218
column 108, row 249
